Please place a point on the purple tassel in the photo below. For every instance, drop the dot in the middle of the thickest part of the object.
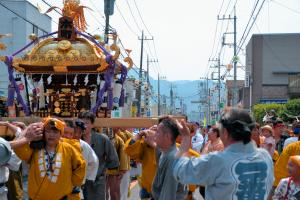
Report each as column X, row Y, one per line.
column 12, row 80
column 122, row 98
column 100, row 99
column 122, row 80
column 10, row 96
column 109, row 74
column 14, row 87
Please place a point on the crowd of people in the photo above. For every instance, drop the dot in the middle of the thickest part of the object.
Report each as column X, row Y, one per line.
column 74, row 159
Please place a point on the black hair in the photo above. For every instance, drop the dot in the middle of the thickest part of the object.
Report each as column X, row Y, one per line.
column 277, row 121
column 87, row 115
column 80, row 124
column 216, row 130
column 169, row 123
column 238, row 123
column 69, row 123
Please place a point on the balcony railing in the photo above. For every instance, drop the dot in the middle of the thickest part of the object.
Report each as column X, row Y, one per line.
column 294, row 90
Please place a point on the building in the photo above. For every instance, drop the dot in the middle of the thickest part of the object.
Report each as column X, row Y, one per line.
column 272, row 69
column 19, row 18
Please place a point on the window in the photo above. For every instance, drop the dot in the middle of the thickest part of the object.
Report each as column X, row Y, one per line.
column 35, row 30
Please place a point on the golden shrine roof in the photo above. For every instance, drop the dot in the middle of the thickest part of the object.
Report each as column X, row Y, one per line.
column 61, row 56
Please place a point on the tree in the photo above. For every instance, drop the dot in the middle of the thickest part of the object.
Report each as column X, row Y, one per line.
column 259, row 110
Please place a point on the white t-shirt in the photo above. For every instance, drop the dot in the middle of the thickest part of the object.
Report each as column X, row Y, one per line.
column 290, row 141
column 91, row 160
column 197, row 141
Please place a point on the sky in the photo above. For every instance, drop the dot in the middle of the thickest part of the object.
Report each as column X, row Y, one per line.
column 186, row 33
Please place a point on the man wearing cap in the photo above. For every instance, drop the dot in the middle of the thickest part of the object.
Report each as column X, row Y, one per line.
column 55, row 166
column 289, row 188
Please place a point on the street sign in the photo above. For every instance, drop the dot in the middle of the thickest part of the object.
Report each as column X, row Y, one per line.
column 247, row 81
column 221, row 105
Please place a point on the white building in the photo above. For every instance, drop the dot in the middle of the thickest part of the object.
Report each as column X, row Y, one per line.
column 19, row 18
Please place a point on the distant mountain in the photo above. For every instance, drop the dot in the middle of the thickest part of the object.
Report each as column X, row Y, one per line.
column 188, row 91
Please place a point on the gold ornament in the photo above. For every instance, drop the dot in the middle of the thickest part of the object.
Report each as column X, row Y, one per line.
column 51, row 54
column 115, row 48
column 73, row 54
column 57, row 110
column 2, row 46
column 64, row 45
column 32, row 37
column 56, row 104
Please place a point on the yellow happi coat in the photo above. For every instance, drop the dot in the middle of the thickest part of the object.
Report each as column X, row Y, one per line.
column 141, row 152
column 280, row 169
column 123, row 158
column 69, row 171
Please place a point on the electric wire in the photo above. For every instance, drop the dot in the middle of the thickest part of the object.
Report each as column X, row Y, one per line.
column 250, row 18
column 284, row 6
column 26, row 20
column 141, row 17
column 129, row 27
column 253, row 22
column 134, row 19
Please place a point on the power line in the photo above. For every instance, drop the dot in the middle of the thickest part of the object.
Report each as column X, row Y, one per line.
column 214, row 53
column 227, row 6
column 96, row 19
column 51, row 6
column 130, row 28
column 26, row 20
column 99, row 12
column 241, row 43
column 137, row 25
column 141, row 17
column 253, row 11
column 291, row 9
column 155, row 52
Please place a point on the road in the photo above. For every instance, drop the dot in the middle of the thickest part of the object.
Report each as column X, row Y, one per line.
column 135, row 192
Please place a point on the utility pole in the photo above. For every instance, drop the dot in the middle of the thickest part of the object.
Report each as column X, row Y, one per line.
column 106, row 28
column 158, row 95
column 219, row 86
column 148, row 88
column 143, row 38
column 219, row 80
column 235, row 86
column 108, row 10
column 209, row 112
column 172, row 99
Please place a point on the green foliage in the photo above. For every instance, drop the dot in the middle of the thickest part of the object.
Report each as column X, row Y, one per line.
column 284, row 111
column 292, row 108
column 259, row 110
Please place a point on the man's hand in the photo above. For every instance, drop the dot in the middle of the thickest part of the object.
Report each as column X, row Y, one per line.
column 185, row 137
column 34, row 132
column 150, row 137
column 19, row 124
